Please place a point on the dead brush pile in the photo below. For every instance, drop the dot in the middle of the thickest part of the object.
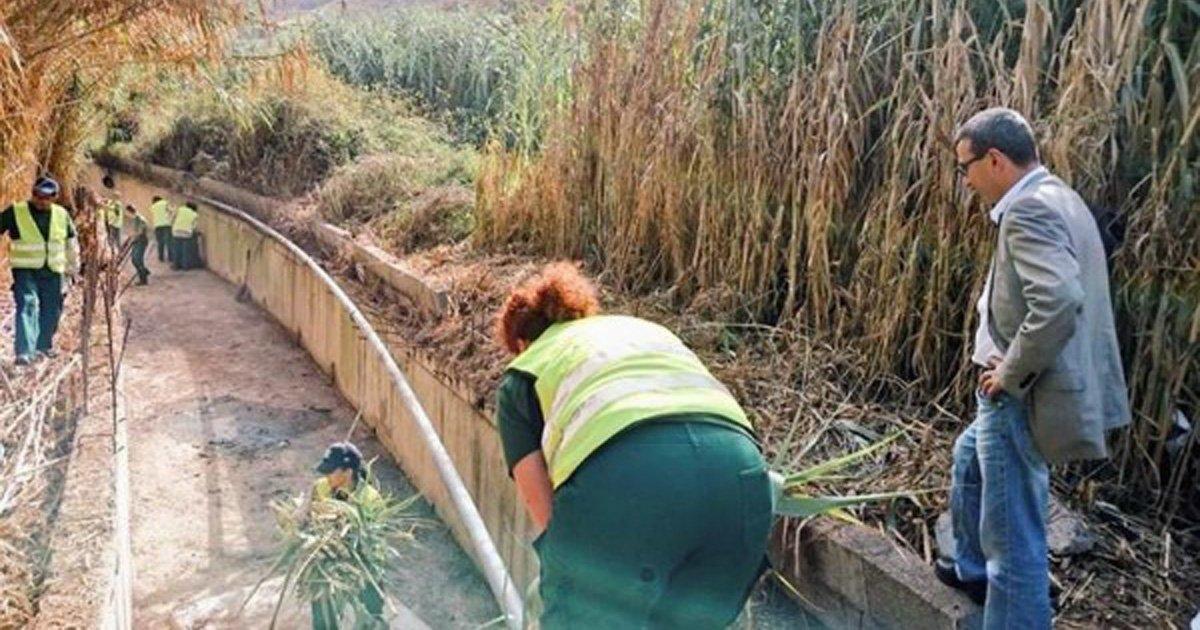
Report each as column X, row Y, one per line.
column 38, row 412
column 812, row 402
column 36, row 426
column 408, row 202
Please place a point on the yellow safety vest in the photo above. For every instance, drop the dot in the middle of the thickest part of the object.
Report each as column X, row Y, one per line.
column 32, row 250
column 599, row 375
column 364, row 493
column 115, row 212
column 161, row 212
column 185, row 222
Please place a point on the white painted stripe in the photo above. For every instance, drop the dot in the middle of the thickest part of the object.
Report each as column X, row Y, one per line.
column 618, row 350
column 620, row 388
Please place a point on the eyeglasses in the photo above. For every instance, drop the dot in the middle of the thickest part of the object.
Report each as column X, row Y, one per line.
column 961, row 167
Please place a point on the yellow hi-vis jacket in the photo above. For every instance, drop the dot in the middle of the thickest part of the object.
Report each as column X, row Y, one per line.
column 185, row 222
column 34, row 251
column 160, row 211
column 114, row 213
column 599, row 375
column 363, row 494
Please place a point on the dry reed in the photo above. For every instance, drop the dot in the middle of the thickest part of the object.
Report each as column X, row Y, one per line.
column 57, row 56
column 795, row 158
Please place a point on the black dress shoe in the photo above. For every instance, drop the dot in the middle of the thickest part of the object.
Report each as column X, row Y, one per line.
column 946, row 574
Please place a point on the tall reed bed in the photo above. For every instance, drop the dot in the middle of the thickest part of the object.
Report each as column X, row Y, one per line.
column 488, row 73
column 795, row 157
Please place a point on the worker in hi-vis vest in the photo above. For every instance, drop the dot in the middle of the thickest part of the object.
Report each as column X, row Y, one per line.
column 344, row 478
column 640, row 468
column 42, row 248
column 184, row 254
column 114, row 218
column 160, row 213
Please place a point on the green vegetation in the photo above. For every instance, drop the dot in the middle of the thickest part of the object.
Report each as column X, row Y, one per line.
column 367, row 157
column 486, row 73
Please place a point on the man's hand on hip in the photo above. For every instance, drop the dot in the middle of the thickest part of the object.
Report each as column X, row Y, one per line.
column 989, row 379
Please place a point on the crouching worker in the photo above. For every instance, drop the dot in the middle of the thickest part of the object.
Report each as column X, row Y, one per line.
column 640, row 467
column 184, row 254
column 344, row 479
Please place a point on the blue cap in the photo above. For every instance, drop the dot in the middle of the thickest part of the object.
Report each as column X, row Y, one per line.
column 340, row 455
column 45, row 187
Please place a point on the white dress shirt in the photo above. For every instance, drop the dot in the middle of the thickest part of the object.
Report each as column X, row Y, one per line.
column 985, row 347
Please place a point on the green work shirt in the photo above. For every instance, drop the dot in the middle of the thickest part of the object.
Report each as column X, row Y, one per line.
column 520, row 420
column 8, row 222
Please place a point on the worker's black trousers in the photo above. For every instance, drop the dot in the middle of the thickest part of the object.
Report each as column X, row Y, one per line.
column 162, row 238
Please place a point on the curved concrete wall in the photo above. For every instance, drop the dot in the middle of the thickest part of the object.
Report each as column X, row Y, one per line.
column 847, row 576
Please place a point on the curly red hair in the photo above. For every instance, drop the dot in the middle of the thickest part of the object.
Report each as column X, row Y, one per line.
column 557, row 293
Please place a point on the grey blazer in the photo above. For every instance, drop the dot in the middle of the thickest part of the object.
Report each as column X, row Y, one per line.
column 1051, row 315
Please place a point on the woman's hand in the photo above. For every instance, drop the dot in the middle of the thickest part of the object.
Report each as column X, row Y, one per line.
column 534, row 488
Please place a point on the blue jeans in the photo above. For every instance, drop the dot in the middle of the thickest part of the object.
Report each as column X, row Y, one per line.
column 999, row 500
column 38, row 297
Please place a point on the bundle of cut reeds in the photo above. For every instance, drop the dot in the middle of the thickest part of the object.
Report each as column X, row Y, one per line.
column 333, row 550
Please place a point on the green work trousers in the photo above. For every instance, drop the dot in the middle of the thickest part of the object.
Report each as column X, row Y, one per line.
column 138, row 255
column 37, row 294
column 665, row 526
column 324, row 617
column 162, row 238
column 185, row 252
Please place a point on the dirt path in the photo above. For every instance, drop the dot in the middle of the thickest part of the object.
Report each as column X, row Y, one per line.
column 228, row 414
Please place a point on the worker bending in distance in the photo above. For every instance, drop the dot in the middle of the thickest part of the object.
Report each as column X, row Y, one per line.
column 141, row 241
column 114, row 219
column 160, row 213
column 640, row 468
column 43, row 248
column 185, row 254
column 344, row 479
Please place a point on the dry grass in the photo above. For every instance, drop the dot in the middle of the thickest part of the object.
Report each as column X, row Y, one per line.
column 56, row 56
column 407, row 202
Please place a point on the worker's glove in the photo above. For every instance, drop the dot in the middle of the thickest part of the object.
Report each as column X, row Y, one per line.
column 776, row 480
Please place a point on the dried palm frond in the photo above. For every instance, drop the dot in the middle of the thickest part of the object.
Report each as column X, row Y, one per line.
column 56, row 56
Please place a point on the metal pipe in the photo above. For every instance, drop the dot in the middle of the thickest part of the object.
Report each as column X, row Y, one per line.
column 492, row 565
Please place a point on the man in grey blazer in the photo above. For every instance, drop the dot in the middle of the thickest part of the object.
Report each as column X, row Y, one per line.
column 1050, row 376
